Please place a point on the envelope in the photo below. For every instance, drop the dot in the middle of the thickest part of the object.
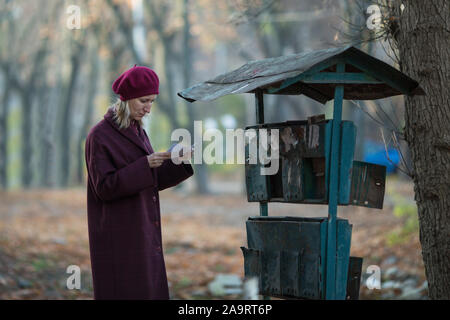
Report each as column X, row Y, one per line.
column 180, row 152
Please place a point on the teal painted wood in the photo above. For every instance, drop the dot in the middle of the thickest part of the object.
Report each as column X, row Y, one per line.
column 332, row 214
column 302, row 162
column 290, row 255
column 323, row 257
column 393, row 78
column 317, row 68
column 309, row 150
column 256, row 184
column 378, row 80
column 327, row 78
column 348, row 141
column 328, row 135
column 259, row 104
column 333, row 194
column 273, row 71
column 286, row 254
column 292, row 180
column 368, row 184
column 344, row 236
column 340, row 78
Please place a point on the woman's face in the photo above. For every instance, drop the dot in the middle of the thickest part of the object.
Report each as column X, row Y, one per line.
column 139, row 107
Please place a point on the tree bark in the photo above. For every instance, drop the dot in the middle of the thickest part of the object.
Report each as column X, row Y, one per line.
column 423, row 41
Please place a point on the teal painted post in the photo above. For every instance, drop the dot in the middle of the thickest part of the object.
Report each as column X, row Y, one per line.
column 344, row 238
column 330, row 291
column 259, row 105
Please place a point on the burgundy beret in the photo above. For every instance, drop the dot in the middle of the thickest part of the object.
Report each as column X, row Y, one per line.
column 136, row 82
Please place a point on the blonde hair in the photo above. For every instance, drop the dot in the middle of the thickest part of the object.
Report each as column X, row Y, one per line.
column 122, row 113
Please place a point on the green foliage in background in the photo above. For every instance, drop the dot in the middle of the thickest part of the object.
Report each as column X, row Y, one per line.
column 230, row 104
column 225, row 168
column 159, row 130
column 407, row 210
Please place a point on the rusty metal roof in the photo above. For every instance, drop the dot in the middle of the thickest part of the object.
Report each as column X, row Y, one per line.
column 269, row 74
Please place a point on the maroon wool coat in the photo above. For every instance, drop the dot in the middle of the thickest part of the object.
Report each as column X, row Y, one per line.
column 123, row 211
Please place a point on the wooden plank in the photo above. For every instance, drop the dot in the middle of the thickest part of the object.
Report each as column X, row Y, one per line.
column 259, row 105
column 333, row 195
column 257, row 188
column 339, row 78
column 327, row 78
column 323, row 258
column 368, row 185
column 388, row 75
column 354, row 278
column 268, row 73
column 315, row 69
column 344, row 236
column 348, row 141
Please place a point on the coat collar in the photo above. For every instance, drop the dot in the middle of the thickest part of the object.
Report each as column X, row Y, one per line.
column 129, row 132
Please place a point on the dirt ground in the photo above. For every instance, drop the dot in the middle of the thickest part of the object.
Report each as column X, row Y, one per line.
column 42, row 232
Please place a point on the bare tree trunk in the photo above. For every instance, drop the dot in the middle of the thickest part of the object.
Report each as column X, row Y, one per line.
column 43, row 132
column 114, row 64
column 126, row 29
column 4, row 134
column 169, row 99
column 66, row 127
column 201, row 170
column 27, row 92
column 27, row 150
column 49, row 144
column 93, row 79
column 166, row 100
column 424, row 50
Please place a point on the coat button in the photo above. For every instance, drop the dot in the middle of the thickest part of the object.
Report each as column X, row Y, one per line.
column 157, row 223
column 158, row 248
column 154, row 198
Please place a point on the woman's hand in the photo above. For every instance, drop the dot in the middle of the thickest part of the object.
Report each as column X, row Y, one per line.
column 156, row 159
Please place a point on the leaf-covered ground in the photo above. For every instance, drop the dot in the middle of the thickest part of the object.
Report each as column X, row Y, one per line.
column 42, row 232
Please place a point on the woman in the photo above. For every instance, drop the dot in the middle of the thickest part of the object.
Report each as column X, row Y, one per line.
column 124, row 177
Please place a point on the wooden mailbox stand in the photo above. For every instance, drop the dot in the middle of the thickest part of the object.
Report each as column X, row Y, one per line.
column 330, row 74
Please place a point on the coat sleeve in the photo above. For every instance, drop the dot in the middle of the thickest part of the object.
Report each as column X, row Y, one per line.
column 170, row 174
column 110, row 183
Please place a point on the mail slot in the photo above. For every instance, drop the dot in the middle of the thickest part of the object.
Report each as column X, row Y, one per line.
column 287, row 255
column 304, row 167
column 368, row 184
column 303, row 173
